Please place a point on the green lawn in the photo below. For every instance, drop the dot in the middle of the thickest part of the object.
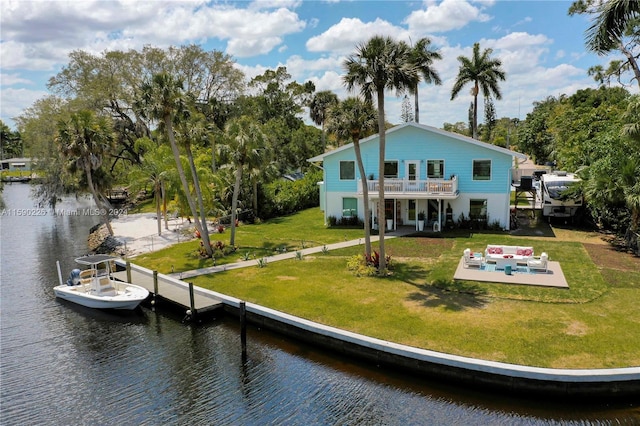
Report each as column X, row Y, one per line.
column 594, row 324
column 290, row 233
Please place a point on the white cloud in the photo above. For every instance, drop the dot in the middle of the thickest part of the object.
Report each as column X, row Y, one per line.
column 15, row 101
column 38, row 35
column 446, row 16
column 12, row 79
column 346, row 34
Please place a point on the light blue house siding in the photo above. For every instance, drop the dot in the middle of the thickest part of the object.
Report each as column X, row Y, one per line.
column 418, row 145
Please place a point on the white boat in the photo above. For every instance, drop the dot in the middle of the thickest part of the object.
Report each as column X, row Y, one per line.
column 95, row 286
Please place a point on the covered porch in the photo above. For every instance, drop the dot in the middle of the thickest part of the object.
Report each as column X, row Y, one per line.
column 418, row 203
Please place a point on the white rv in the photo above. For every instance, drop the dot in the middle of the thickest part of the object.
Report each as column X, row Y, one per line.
column 552, row 185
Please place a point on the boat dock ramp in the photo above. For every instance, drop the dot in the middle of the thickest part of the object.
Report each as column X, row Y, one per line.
column 195, row 301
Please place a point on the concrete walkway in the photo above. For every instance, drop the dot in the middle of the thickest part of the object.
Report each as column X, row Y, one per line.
column 289, row 255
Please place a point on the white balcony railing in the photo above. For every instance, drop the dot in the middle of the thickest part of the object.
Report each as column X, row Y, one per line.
column 435, row 187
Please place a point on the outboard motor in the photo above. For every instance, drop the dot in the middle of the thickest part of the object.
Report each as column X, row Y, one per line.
column 74, row 277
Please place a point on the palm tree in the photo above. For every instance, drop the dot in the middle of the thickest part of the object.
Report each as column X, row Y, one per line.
column 611, row 23
column 318, row 109
column 354, row 118
column 380, row 63
column 422, row 57
column 196, row 129
column 162, row 99
column 484, row 72
column 153, row 170
column 86, row 139
column 245, row 147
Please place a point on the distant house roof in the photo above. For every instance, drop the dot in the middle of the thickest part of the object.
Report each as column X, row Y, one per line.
column 431, row 129
column 18, row 160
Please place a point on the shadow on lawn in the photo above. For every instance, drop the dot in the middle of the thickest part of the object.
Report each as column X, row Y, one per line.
column 431, row 296
column 442, row 293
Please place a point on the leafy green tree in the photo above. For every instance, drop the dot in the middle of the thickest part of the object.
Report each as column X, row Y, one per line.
column 406, row 115
column 483, row 72
column 422, row 56
column 353, row 119
column 534, row 135
column 163, row 99
column 319, row 108
column 85, row 139
column 379, row 64
column 10, row 142
column 489, row 119
column 156, row 172
column 38, row 128
column 246, row 147
column 459, row 127
column 615, row 26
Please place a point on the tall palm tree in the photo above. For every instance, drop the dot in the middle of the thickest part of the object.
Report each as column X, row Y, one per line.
column 246, row 146
column 87, row 139
column 153, row 170
column 483, row 72
column 379, row 64
column 162, row 98
column 353, row 119
column 193, row 130
column 318, row 109
column 422, row 57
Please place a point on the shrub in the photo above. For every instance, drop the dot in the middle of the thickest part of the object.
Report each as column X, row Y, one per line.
column 283, row 197
column 366, row 266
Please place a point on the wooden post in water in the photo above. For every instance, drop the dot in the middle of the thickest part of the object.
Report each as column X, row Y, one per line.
column 243, row 328
column 155, row 283
column 128, row 271
column 192, row 302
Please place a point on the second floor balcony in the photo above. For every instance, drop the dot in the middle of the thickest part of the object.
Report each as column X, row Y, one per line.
column 406, row 188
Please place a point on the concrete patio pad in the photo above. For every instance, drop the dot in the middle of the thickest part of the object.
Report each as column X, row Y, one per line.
column 554, row 277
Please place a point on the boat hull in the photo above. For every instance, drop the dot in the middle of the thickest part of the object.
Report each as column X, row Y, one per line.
column 128, row 296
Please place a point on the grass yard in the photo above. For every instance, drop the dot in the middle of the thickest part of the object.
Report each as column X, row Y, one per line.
column 594, row 324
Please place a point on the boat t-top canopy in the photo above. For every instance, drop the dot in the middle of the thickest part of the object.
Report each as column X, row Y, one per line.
column 95, row 259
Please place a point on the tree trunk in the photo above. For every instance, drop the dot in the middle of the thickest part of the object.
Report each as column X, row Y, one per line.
column 255, row 197
column 157, row 196
column 196, row 183
column 632, row 62
column 183, row 179
column 381, row 218
column 416, row 107
column 164, row 205
column 365, row 196
column 234, row 204
column 96, row 198
column 476, row 89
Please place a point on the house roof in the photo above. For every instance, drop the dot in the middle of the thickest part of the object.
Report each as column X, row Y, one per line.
column 431, row 129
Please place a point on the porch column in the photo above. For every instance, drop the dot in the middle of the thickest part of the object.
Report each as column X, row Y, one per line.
column 439, row 215
column 415, row 214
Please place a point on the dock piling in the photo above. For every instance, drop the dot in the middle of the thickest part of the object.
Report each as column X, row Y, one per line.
column 192, row 302
column 243, row 328
column 128, row 271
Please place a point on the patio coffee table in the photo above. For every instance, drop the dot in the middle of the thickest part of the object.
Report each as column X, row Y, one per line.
column 508, row 259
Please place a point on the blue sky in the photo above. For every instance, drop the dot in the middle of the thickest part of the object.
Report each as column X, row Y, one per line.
column 541, row 47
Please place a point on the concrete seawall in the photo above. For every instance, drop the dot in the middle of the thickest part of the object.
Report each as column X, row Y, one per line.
column 546, row 382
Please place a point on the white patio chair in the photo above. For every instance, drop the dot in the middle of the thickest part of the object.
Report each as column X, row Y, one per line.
column 470, row 260
column 538, row 263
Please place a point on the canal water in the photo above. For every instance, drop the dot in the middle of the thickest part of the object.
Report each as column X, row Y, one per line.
column 65, row 365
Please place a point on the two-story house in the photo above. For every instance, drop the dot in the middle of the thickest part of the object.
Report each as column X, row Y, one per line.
column 427, row 170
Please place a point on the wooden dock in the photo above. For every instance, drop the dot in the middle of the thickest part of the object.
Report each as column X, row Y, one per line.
column 194, row 300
